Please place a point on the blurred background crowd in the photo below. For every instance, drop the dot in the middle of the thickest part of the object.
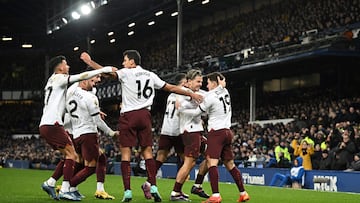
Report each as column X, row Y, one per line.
column 325, row 130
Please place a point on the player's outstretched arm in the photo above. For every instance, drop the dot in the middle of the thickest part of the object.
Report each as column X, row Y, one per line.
column 87, row 59
column 173, row 88
column 89, row 74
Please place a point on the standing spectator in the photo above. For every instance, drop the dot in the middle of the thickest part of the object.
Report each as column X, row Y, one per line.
column 325, row 161
column 305, row 150
column 344, row 152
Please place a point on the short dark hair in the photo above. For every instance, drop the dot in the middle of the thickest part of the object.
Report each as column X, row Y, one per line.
column 213, row 76
column 55, row 61
column 179, row 77
column 133, row 54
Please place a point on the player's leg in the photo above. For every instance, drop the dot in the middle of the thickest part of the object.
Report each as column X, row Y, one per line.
column 214, row 181
column 236, row 174
column 127, row 140
column 227, row 156
column 177, row 194
column 151, row 172
column 90, row 153
column 49, row 185
column 100, row 192
column 197, row 187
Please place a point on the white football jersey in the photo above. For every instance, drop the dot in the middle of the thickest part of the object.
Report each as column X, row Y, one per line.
column 138, row 88
column 190, row 123
column 171, row 125
column 54, row 101
column 82, row 105
column 217, row 105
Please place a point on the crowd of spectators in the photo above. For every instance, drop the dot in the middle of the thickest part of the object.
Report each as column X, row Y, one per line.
column 325, row 133
column 326, row 128
column 285, row 21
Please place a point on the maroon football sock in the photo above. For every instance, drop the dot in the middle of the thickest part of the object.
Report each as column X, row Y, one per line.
column 235, row 173
column 177, row 187
column 151, row 171
column 158, row 165
column 214, row 179
column 199, row 179
column 78, row 167
column 126, row 172
column 68, row 169
column 81, row 176
column 58, row 172
column 101, row 168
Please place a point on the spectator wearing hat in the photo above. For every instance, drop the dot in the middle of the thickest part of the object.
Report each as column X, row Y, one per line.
column 325, row 161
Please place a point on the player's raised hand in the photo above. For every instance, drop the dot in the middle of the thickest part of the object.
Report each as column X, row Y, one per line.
column 85, row 57
column 221, row 82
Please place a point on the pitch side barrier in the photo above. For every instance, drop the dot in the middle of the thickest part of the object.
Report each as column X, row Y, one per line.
column 324, row 180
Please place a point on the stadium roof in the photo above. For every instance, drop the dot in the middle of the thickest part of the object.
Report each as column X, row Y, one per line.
column 29, row 21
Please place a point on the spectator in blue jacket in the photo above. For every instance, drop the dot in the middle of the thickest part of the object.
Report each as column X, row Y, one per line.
column 295, row 178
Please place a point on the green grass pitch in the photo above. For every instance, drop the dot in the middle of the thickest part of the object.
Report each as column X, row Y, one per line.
column 22, row 185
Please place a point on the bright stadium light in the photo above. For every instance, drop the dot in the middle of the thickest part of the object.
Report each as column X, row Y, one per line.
column 110, row 33
column 92, row 41
column 151, row 23
column 159, row 13
column 85, row 9
column 174, row 14
column 92, row 4
column 27, row 46
column 64, row 20
column 6, row 38
column 76, row 48
column 131, row 33
column 75, row 15
column 190, row 1
column 104, row 2
column 112, row 40
column 131, row 25
column 205, row 1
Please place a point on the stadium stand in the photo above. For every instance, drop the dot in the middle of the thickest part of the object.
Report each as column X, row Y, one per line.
column 269, row 34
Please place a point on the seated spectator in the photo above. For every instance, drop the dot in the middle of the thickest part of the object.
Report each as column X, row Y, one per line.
column 296, row 178
column 355, row 165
